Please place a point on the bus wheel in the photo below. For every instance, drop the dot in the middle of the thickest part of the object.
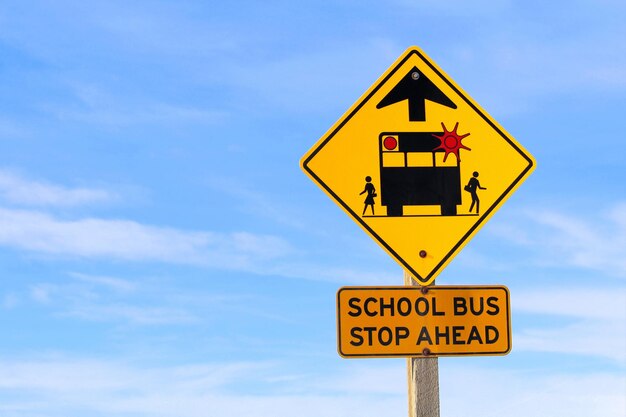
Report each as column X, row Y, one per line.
column 394, row 210
column 448, row 209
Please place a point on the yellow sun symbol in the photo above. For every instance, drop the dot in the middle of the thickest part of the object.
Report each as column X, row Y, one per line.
column 451, row 142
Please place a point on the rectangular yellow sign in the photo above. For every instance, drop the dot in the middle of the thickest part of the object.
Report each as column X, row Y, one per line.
column 423, row 321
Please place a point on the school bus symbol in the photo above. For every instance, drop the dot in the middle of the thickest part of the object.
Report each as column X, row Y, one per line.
column 416, row 170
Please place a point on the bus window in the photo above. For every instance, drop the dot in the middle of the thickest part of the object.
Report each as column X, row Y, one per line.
column 393, row 159
column 451, row 161
column 419, row 159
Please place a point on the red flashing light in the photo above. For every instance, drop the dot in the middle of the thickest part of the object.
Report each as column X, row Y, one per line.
column 390, row 143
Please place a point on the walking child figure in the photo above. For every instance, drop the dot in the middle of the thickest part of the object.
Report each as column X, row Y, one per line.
column 371, row 193
column 472, row 186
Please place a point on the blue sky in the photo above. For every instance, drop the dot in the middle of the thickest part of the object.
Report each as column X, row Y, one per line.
column 162, row 254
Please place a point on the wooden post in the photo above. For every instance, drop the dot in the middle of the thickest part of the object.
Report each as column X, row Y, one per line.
column 423, row 374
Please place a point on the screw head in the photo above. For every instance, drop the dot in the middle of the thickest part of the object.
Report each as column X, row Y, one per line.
column 426, row 352
column 415, row 75
column 423, row 253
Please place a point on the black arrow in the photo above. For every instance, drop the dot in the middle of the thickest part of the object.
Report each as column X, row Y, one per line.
column 416, row 88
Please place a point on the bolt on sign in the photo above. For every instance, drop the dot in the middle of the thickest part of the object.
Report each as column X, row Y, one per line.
column 431, row 321
column 418, row 165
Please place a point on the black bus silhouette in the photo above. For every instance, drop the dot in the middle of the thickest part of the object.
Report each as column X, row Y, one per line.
column 412, row 173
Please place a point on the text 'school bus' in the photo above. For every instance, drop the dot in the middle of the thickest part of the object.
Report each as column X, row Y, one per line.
column 412, row 173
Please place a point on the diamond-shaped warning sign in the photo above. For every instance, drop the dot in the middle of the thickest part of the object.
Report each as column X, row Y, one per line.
column 418, row 165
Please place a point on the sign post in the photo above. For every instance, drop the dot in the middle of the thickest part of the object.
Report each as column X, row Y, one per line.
column 423, row 380
column 420, row 167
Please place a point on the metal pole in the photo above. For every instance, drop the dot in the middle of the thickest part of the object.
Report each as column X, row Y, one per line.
column 423, row 375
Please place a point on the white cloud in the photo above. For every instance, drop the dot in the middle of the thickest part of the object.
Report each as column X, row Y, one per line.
column 578, row 302
column 129, row 240
column 98, row 104
column 40, row 232
column 16, row 189
column 256, row 203
column 65, row 375
column 472, row 391
column 563, row 240
column 78, row 387
column 116, row 284
column 359, row 378
column 569, row 318
column 600, row 338
column 74, row 387
column 85, row 303
column 40, row 293
column 141, row 302
column 596, row 314
column 81, row 300
column 597, row 325
column 9, row 301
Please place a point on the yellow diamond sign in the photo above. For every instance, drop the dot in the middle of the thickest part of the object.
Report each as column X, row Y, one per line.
column 418, row 165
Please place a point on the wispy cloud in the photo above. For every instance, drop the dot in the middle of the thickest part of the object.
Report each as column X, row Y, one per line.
column 9, row 301
column 86, row 303
column 113, row 283
column 65, row 387
column 595, row 314
column 143, row 301
column 559, row 239
column 17, row 189
column 600, row 338
column 472, row 391
column 73, row 387
column 63, row 375
column 41, row 232
column 589, row 320
column 578, row 302
column 596, row 325
column 257, row 203
column 100, row 104
column 133, row 241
